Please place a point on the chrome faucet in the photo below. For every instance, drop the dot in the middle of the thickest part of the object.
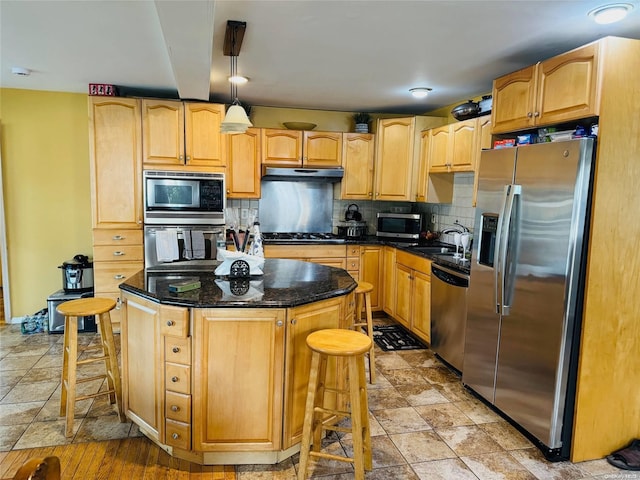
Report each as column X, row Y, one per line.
column 459, row 228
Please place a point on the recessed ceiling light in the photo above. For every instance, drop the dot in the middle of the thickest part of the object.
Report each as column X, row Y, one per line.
column 610, row 13
column 420, row 92
column 24, row 72
column 238, row 79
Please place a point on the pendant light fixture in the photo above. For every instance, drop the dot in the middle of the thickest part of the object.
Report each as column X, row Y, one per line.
column 236, row 119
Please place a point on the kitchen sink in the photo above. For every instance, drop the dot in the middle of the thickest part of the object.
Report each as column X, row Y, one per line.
column 433, row 250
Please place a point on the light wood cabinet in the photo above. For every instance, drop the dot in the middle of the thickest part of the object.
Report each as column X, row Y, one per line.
column 423, row 170
column 398, row 156
column 115, row 149
column 358, row 151
column 413, row 294
column 453, row 148
column 292, row 148
column 178, row 134
column 330, row 255
column 389, row 283
column 371, row 271
column 243, row 169
column 143, row 365
column 238, row 377
column 302, row 321
column 560, row 89
column 484, row 143
column 353, row 261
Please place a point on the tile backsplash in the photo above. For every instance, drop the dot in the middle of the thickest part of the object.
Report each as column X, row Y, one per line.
column 445, row 214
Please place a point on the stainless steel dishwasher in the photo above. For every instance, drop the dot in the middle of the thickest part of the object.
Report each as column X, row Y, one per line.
column 448, row 313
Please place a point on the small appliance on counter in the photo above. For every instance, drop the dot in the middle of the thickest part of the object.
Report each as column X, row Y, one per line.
column 77, row 274
column 352, row 229
column 56, row 320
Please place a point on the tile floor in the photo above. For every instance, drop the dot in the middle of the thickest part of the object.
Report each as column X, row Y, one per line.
column 424, row 424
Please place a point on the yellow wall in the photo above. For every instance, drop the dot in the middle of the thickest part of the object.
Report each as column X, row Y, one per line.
column 45, row 166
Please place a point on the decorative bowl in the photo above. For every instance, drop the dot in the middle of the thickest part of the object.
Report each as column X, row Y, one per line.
column 299, row 125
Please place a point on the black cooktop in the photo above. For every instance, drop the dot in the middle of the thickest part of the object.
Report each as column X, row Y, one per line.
column 303, row 237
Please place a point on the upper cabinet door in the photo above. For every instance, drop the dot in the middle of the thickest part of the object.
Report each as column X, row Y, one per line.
column 358, row 153
column 281, row 148
column 243, row 171
column 116, row 168
column 394, row 159
column 568, row 86
column 322, row 149
column 514, row 101
column 205, row 145
column 439, row 149
column 163, row 132
column 463, row 145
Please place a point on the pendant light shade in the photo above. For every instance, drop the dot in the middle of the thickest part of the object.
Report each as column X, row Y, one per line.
column 236, row 119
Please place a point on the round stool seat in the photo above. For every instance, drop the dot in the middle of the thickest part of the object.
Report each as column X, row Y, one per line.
column 364, row 287
column 339, row 342
column 83, row 307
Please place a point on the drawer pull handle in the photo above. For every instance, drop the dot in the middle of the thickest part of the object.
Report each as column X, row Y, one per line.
column 175, row 436
column 119, row 276
column 176, row 349
column 175, row 408
column 118, row 254
column 118, row 237
column 174, row 379
column 170, row 323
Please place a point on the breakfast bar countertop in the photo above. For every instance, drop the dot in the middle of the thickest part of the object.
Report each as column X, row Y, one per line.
column 285, row 283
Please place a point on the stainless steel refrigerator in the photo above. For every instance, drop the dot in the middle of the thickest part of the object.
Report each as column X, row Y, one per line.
column 525, row 291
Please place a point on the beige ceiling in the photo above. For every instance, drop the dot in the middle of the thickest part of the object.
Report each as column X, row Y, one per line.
column 350, row 55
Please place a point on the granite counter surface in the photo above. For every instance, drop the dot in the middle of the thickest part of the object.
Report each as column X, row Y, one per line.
column 285, row 283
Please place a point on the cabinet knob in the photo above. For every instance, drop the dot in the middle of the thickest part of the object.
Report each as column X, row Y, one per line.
column 175, row 349
column 529, row 114
column 188, row 158
column 170, row 323
column 174, row 379
column 279, row 323
column 536, row 114
column 118, row 237
column 175, row 436
column 118, row 254
column 228, row 191
column 180, row 157
column 293, row 321
column 175, row 408
column 370, row 194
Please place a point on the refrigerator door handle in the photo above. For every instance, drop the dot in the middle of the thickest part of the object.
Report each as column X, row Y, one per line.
column 506, row 283
column 497, row 268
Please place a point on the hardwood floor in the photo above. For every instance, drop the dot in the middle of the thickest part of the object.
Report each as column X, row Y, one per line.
column 127, row 458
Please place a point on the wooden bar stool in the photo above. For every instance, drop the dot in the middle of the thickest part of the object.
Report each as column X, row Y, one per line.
column 353, row 346
column 363, row 296
column 71, row 310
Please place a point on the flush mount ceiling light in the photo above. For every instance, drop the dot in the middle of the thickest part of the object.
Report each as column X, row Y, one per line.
column 238, row 79
column 236, row 119
column 610, row 13
column 21, row 71
column 420, row 92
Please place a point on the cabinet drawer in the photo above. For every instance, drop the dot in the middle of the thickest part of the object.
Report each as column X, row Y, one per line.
column 178, row 407
column 353, row 251
column 103, row 236
column 178, row 378
column 108, row 275
column 117, row 253
column 414, row 262
column 353, row 264
column 178, row 434
column 177, row 350
column 174, row 321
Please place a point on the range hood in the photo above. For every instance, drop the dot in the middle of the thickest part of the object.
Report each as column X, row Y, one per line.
column 302, row 174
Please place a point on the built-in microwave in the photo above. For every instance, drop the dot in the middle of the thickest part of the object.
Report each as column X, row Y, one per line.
column 401, row 226
column 183, row 198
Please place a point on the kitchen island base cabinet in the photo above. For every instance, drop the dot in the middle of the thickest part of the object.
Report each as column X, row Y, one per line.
column 224, row 385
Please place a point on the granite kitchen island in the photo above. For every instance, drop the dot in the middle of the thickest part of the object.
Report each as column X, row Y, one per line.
column 218, row 375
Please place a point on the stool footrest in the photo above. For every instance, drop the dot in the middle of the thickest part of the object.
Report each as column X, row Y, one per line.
column 336, row 390
column 331, row 411
column 335, row 428
column 91, row 360
column 90, row 379
column 330, row 456
column 92, row 395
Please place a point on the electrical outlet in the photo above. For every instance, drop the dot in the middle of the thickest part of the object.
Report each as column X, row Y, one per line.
column 433, row 219
column 244, row 213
